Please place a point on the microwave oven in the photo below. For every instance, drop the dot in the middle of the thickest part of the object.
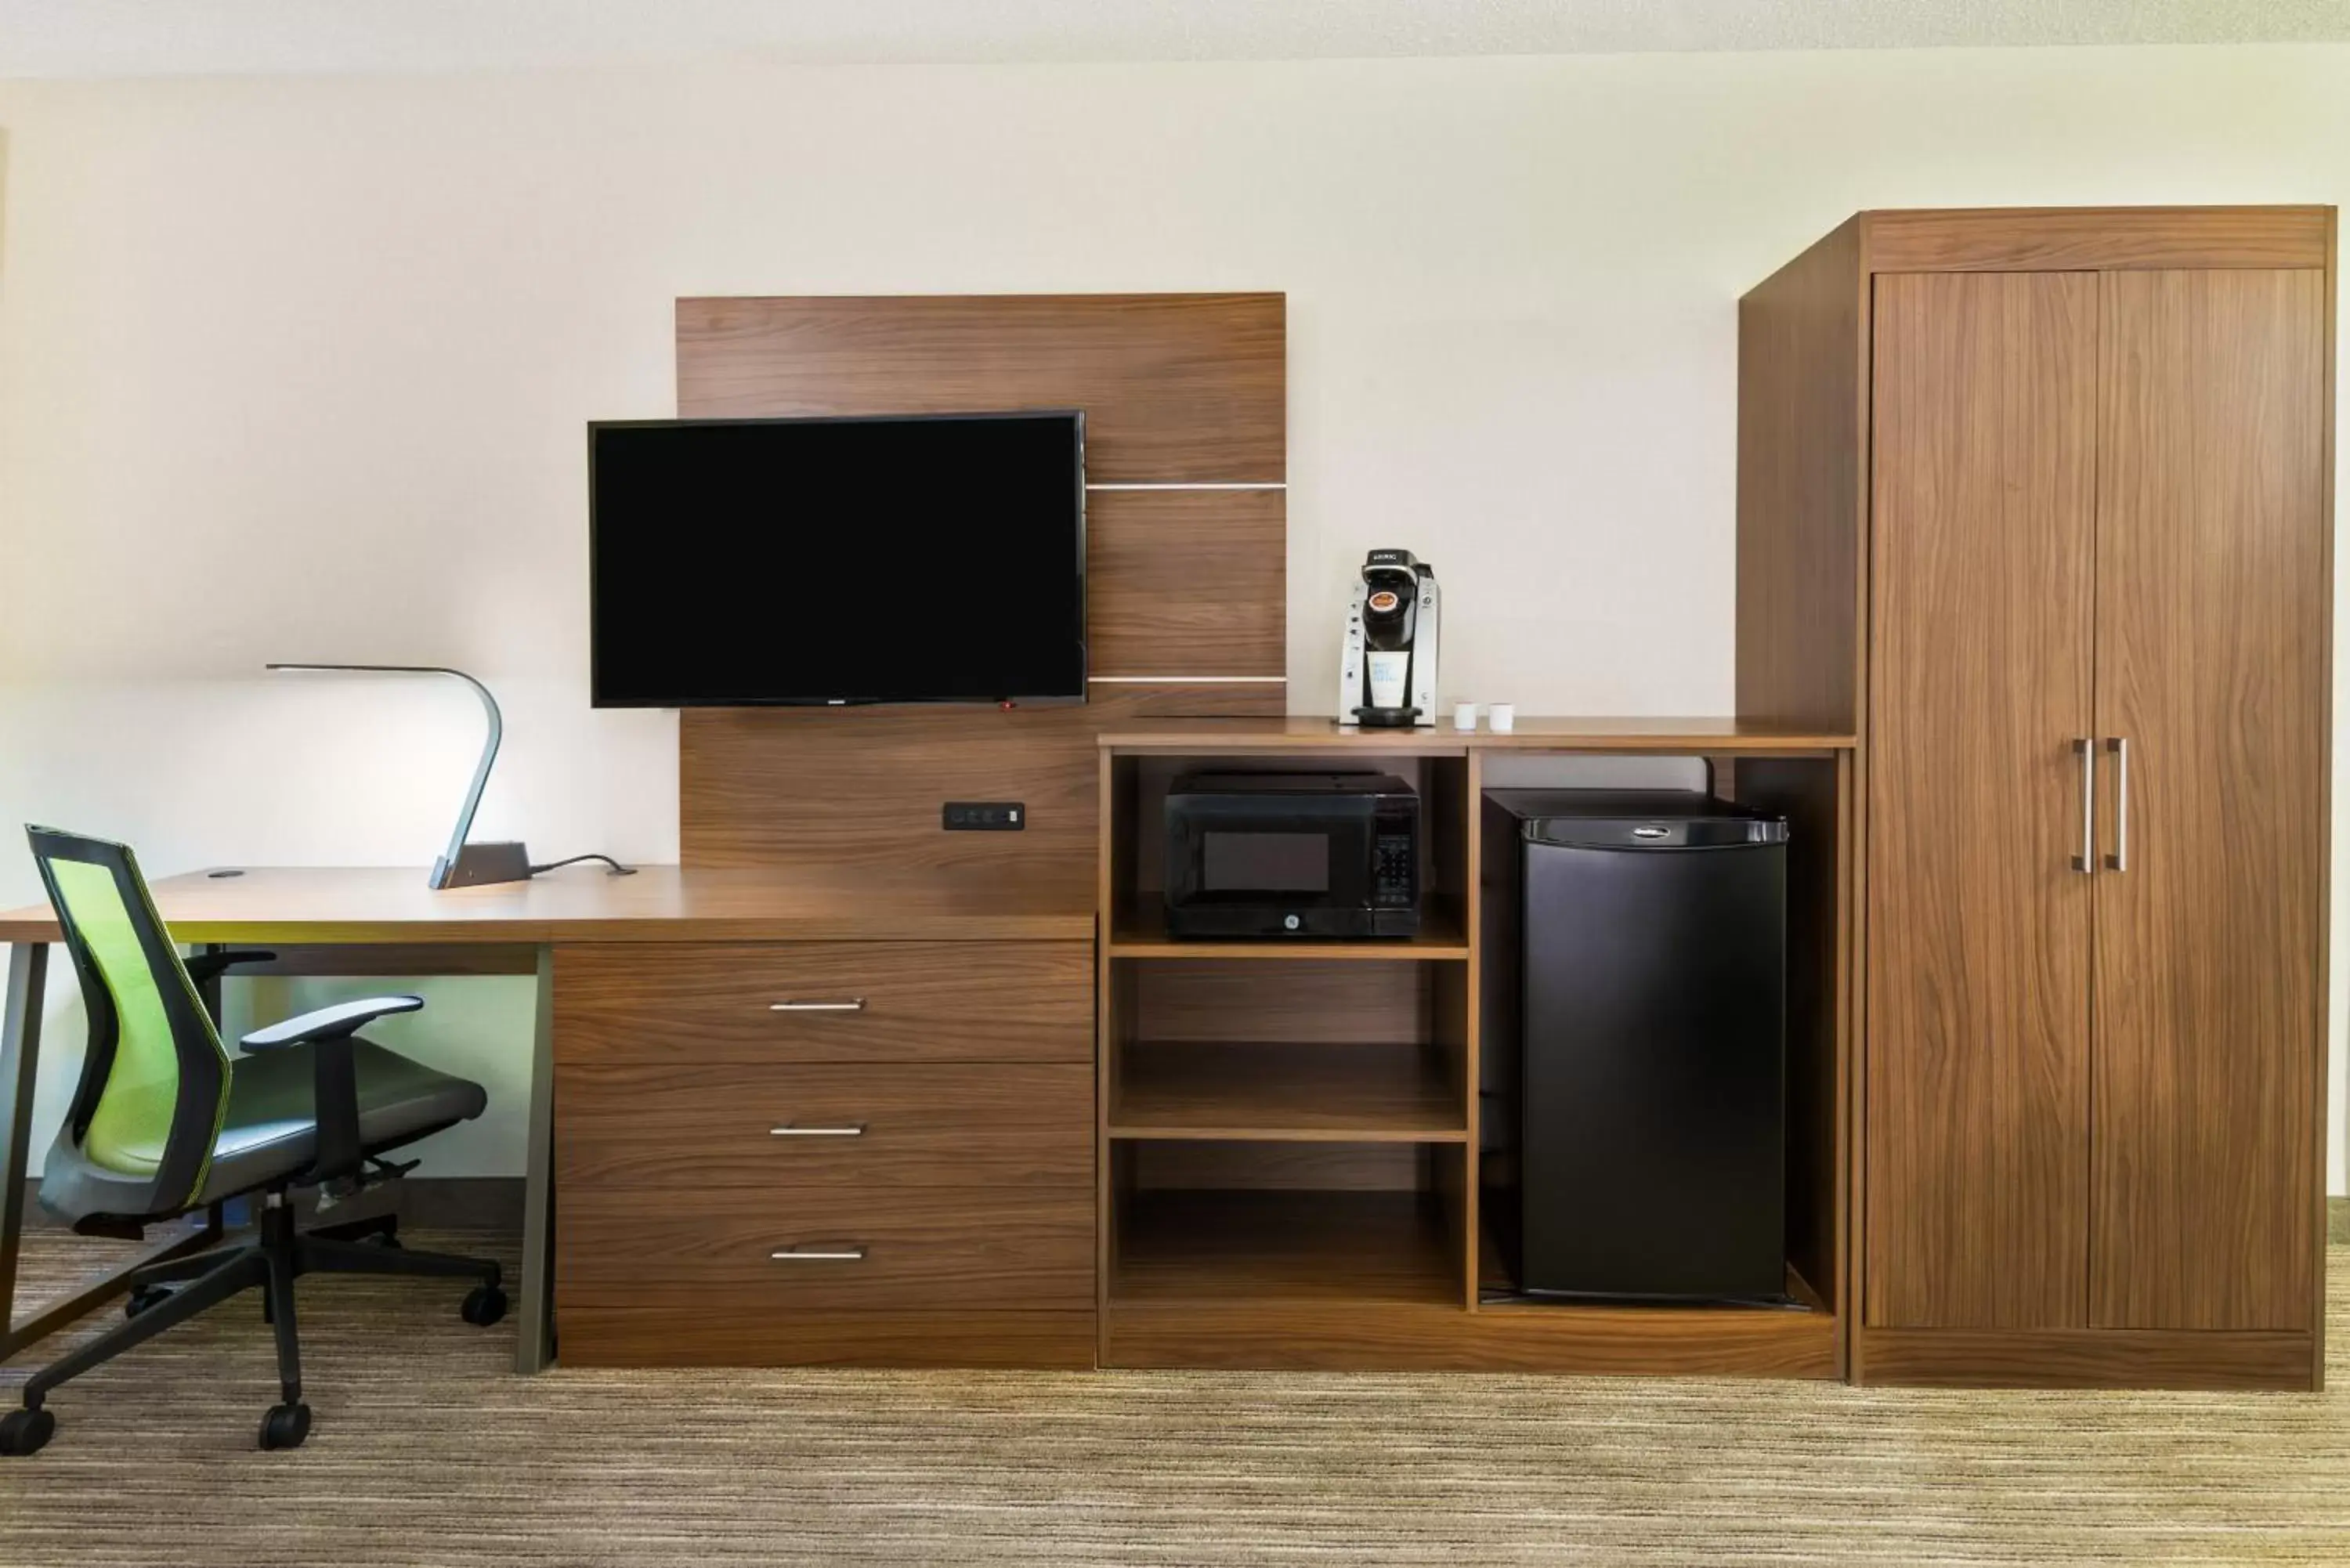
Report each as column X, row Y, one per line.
column 1292, row 854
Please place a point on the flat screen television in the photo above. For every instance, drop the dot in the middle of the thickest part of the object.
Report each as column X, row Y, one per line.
column 913, row 558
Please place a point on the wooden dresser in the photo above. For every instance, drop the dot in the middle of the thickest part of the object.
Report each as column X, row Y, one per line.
column 855, row 1151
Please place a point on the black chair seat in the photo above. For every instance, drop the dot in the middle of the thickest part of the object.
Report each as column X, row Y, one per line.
column 270, row 1130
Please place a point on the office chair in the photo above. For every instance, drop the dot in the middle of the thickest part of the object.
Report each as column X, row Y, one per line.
column 165, row 1122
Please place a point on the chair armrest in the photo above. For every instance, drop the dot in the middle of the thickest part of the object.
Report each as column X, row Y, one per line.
column 335, row 1091
column 335, row 1023
column 204, row 967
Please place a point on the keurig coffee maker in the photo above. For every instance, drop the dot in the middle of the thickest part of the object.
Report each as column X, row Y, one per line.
column 1386, row 667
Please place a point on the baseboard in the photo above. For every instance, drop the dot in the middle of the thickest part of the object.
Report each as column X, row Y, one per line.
column 433, row 1202
column 2088, row 1359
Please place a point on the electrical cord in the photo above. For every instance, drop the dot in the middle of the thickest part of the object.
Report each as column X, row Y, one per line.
column 617, row 869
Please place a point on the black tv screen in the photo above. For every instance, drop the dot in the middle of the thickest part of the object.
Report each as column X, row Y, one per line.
column 917, row 558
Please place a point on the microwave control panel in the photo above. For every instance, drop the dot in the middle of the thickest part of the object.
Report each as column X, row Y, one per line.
column 1396, row 874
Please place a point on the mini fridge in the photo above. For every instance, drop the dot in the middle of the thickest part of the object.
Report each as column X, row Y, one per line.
column 1635, row 1044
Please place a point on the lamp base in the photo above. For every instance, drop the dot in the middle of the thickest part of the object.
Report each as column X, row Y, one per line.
column 479, row 865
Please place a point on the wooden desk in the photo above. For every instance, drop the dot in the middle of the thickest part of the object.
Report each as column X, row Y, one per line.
column 384, row 921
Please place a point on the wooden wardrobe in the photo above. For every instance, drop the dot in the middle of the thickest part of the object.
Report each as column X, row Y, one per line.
column 2040, row 502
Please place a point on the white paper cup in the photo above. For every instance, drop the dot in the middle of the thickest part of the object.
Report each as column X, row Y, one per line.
column 1502, row 717
column 1390, row 674
column 1464, row 715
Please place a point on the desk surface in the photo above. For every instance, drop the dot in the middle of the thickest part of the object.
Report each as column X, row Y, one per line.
column 583, row 903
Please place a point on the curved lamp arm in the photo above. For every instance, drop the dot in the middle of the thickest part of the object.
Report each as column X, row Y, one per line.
column 444, row 868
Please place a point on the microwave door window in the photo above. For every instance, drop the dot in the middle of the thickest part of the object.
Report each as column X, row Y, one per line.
column 1264, row 865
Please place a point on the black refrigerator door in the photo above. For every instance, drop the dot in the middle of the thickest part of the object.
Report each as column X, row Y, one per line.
column 1653, row 1067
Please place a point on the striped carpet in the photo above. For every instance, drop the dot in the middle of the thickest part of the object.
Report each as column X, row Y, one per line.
column 427, row 1451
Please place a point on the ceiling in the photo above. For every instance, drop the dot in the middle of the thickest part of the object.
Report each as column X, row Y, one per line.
column 148, row 38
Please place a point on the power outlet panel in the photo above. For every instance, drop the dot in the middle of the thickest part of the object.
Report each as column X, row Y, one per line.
column 984, row 816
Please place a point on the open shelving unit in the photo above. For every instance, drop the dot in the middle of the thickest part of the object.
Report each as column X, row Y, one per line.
column 1291, row 1161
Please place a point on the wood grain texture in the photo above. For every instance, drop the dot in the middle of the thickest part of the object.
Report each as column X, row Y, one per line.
column 1248, row 1168
column 943, row 1250
column 2212, row 662
column 1301, row 733
column 1979, row 946
column 333, row 905
column 727, row 1334
column 1395, row 1336
column 693, row 1004
column 2089, row 1358
column 689, row 1127
column 1302, row 1002
column 1266, row 1247
column 1176, row 386
column 1187, row 583
column 1801, row 483
column 2054, row 239
column 1287, row 1093
column 860, row 790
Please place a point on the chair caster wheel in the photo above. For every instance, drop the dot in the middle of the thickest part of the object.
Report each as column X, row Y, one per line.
column 142, row 1298
column 286, row 1426
column 384, row 1240
column 25, row 1432
column 484, row 1307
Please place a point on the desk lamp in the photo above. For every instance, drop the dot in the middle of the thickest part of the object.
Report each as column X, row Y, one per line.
column 467, row 864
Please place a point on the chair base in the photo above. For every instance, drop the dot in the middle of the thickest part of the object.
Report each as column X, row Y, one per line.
column 170, row 1293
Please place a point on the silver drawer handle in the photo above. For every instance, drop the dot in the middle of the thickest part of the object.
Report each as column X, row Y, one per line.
column 853, row 1004
column 819, row 1255
column 853, row 1130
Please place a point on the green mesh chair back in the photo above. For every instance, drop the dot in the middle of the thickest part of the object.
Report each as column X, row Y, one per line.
column 154, row 1084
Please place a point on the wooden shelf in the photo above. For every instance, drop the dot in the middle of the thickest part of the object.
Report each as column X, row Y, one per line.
column 1714, row 736
column 1287, row 1093
column 1270, row 1248
column 1140, row 932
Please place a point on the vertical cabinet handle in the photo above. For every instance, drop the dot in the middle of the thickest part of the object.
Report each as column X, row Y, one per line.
column 2086, row 862
column 2119, row 745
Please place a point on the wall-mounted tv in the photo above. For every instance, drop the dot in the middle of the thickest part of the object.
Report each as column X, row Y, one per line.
column 913, row 558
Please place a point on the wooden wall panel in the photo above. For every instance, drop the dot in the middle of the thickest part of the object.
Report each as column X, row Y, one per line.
column 2212, row 661
column 1801, row 400
column 1187, row 582
column 1176, row 386
column 862, row 787
column 1177, row 389
column 1979, row 950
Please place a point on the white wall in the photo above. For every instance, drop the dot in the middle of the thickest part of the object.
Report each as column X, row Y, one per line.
column 298, row 368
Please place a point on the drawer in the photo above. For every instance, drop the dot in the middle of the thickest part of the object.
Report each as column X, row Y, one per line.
column 763, row 1126
column 824, row 1002
column 945, row 1249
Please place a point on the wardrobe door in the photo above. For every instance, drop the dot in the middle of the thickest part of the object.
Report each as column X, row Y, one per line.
column 2211, row 667
column 1983, row 413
